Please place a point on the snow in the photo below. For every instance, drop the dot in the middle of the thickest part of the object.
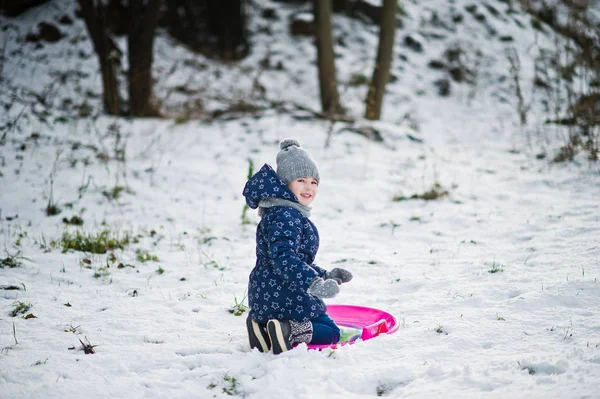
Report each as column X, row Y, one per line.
column 531, row 329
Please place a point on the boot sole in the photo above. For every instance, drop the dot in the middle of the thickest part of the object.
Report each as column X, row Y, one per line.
column 278, row 342
column 256, row 337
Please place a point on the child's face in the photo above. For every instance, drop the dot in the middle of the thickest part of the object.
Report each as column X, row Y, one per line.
column 305, row 189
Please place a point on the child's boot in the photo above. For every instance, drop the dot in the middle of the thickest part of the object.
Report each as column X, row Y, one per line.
column 283, row 334
column 257, row 335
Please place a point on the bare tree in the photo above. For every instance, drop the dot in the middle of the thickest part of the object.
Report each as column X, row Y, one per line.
column 143, row 17
column 108, row 53
column 381, row 72
column 330, row 101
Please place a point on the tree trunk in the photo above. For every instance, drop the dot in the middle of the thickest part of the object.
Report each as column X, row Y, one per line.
column 107, row 51
column 381, row 72
column 143, row 17
column 227, row 22
column 330, row 101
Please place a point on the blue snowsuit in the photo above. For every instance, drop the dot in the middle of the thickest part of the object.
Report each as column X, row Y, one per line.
column 286, row 246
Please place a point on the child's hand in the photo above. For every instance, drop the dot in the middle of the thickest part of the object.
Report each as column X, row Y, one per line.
column 323, row 288
column 338, row 274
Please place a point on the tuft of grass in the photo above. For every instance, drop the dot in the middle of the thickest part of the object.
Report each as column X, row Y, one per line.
column 567, row 152
column 74, row 221
column 52, row 209
column 245, row 219
column 230, row 385
column 99, row 243
column 19, row 238
column 496, row 268
column 145, row 256
column 385, row 389
column 575, row 145
column 115, row 192
column 102, row 272
column 19, row 308
column 238, row 308
column 160, row 270
column 436, row 192
column 358, row 79
column 11, row 260
column 440, row 330
column 204, row 236
column 212, row 263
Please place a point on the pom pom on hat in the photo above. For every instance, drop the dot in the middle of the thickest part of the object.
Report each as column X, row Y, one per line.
column 288, row 143
column 294, row 162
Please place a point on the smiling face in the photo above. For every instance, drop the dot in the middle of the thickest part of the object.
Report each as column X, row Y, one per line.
column 305, row 189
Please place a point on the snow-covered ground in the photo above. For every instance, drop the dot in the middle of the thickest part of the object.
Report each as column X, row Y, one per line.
column 495, row 285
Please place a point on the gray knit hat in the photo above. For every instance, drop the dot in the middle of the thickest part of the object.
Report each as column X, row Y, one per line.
column 294, row 162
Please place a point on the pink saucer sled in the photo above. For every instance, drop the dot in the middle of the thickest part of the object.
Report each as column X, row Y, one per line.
column 368, row 323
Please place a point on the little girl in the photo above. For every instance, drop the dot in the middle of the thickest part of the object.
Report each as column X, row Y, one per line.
column 286, row 288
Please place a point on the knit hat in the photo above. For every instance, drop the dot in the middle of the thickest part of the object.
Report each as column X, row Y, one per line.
column 294, row 162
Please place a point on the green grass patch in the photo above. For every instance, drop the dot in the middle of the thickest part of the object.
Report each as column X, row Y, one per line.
column 213, row 263
column 343, row 260
column 96, row 243
column 74, row 221
column 436, row 192
column 19, row 308
column 229, row 385
column 101, row 273
column 115, row 192
column 238, row 308
column 496, row 268
column 145, row 256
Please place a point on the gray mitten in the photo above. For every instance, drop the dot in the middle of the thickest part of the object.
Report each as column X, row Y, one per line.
column 323, row 288
column 338, row 274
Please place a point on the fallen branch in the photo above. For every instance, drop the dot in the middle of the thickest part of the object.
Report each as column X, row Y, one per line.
column 243, row 108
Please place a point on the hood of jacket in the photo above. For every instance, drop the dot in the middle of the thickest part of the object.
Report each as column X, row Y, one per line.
column 266, row 183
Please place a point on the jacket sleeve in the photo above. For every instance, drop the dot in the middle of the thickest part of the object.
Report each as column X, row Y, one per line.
column 321, row 272
column 284, row 236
